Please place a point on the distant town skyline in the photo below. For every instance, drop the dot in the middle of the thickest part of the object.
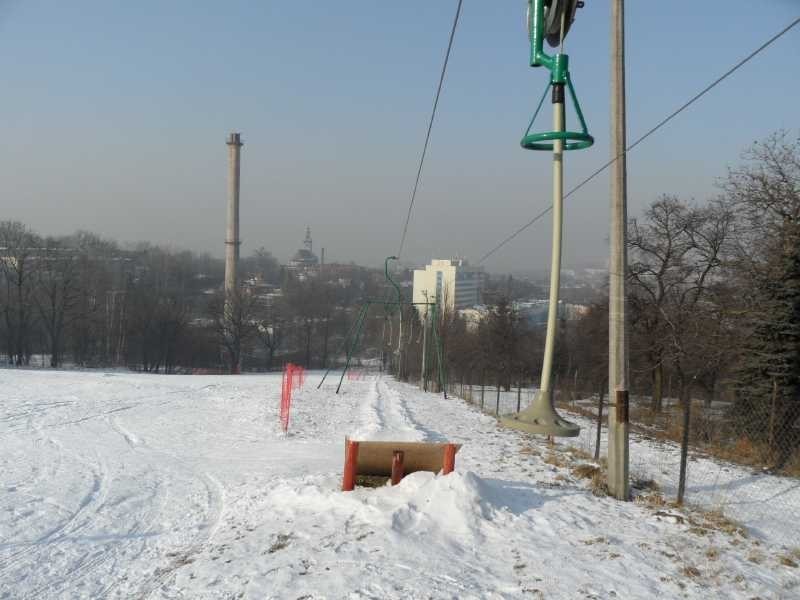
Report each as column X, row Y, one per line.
column 115, row 119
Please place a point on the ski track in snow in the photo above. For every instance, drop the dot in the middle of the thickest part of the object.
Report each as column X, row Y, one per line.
column 126, row 491
column 140, row 486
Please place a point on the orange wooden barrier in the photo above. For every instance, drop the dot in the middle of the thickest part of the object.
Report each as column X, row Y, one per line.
column 350, row 464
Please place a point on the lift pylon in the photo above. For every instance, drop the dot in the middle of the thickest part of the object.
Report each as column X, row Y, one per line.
column 550, row 20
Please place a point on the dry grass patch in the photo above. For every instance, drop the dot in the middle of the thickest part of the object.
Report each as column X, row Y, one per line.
column 579, row 453
column 690, row 571
column 596, row 540
column 712, row 554
column 371, row 481
column 530, row 450
column 641, row 482
column 555, row 459
column 718, row 521
column 756, row 558
column 787, row 561
column 652, row 500
column 585, row 471
column 599, row 484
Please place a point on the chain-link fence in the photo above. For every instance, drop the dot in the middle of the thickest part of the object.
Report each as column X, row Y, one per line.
column 730, row 468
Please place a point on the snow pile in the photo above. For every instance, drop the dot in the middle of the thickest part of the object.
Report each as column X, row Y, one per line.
column 454, row 506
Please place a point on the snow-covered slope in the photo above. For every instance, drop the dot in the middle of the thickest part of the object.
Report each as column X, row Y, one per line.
column 136, row 486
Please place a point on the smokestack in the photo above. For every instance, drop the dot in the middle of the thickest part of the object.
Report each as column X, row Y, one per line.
column 322, row 259
column 232, row 239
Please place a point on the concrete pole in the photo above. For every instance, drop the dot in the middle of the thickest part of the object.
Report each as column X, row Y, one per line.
column 555, row 264
column 618, row 479
column 422, row 371
column 232, row 241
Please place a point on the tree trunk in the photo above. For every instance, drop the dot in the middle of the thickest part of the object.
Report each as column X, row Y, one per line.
column 497, row 406
column 308, row 346
column 686, row 402
column 325, row 343
column 599, row 423
column 657, row 402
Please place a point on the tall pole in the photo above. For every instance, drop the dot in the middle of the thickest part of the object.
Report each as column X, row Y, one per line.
column 423, row 370
column 232, row 241
column 618, row 414
column 558, row 223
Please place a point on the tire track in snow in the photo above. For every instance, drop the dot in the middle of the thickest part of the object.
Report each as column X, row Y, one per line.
column 402, row 391
column 215, row 498
column 35, row 476
column 127, row 546
column 88, row 506
column 385, row 416
column 216, row 501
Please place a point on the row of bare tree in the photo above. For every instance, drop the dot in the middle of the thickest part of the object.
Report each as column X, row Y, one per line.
column 83, row 300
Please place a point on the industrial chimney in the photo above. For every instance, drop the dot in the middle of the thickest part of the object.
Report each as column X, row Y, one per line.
column 232, row 241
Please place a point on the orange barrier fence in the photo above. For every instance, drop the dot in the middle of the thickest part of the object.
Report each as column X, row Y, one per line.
column 293, row 376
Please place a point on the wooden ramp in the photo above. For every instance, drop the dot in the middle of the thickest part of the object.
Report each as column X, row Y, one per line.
column 395, row 459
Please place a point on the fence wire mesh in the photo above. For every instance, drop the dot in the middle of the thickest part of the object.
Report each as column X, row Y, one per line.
column 731, row 469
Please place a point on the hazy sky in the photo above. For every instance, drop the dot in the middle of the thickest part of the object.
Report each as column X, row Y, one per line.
column 115, row 113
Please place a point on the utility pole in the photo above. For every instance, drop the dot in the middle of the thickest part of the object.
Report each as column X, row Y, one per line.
column 423, row 370
column 618, row 413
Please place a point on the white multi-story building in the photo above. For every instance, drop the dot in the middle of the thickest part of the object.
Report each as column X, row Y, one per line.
column 454, row 283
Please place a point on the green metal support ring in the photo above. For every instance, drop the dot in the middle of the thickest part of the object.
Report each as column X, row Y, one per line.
column 575, row 140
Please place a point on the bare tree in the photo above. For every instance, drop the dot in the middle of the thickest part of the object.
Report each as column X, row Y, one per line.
column 271, row 330
column 87, row 328
column 56, row 293
column 18, row 248
column 235, row 324
column 659, row 244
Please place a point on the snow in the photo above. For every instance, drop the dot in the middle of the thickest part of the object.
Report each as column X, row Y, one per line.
column 768, row 504
column 122, row 485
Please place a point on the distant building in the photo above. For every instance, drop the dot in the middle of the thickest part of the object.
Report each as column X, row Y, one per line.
column 455, row 284
column 534, row 312
column 474, row 316
column 304, row 259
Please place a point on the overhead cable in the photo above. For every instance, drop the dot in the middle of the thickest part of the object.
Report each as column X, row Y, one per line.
column 650, row 132
column 430, row 127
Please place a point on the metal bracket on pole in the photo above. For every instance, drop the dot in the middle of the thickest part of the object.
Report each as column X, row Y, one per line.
column 560, row 13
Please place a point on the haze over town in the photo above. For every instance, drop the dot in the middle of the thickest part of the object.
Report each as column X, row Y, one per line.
column 118, row 113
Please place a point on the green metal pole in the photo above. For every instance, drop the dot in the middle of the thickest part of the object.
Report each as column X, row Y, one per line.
column 361, row 319
column 342, row 345
column 439, row 356
column 400, row 312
